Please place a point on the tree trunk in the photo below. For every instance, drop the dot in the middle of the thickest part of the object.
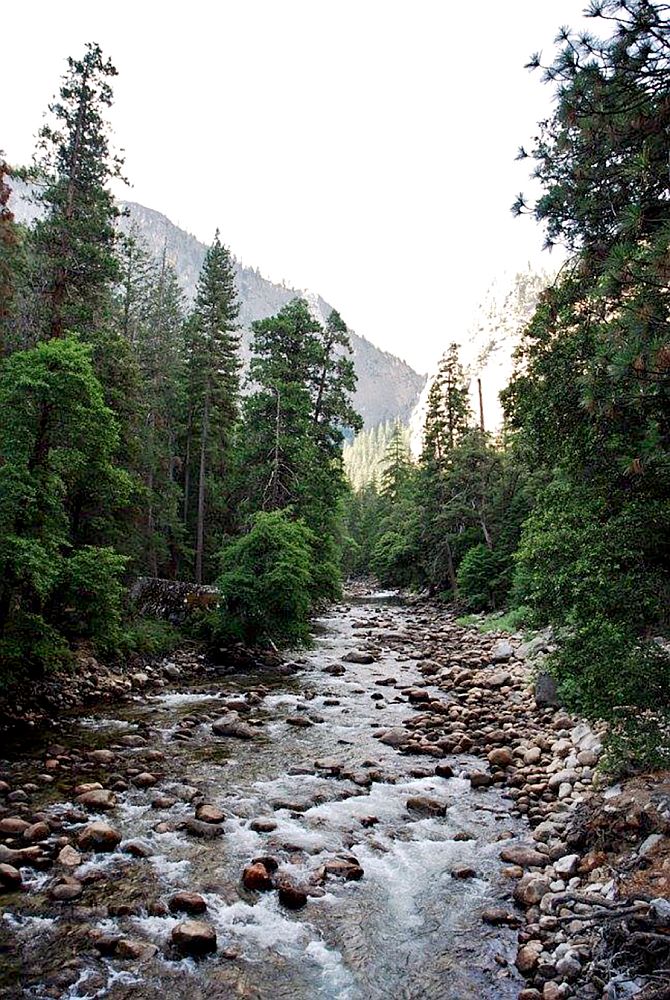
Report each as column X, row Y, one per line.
column 200, row 524
column 451, row 572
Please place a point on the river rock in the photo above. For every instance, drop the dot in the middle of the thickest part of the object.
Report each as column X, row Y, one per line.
column 480, row 779
column 501, row 757
column 198, row 828
column 257, row 877
column 358, row 656
column 524, row 855
column 13, row 826
column 102, row 756
column 194, row 937
column 546, row 692
column 97, row 800
column 187, row 902
column 207, row 813
column 10, row 878
column 346, row 868
column 135, row 949
column 498, row 917
column 291, row 896
column 444, row 771
column 502, row 652
column 395, row 738
column 231, row 726
column 530, row 889
column 69, row 857
column 425, row 806
column 463, row 872
column 145, row 780
column 528, row 956
column 66, row 890
column 99, row 837
column 566, row 866
column 263, row 825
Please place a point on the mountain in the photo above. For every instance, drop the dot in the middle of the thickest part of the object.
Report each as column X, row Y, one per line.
column 387, row 387
column 488, row 344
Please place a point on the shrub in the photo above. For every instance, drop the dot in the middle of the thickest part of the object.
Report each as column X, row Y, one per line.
column 267, row 583
column 483, row 578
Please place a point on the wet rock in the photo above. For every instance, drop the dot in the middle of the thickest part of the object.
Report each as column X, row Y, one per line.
column 66, row 890
column 566, row 866
column 97, row 800
column 135, row 949
column 187, row 902
column 395, row 738
column 444, row 771
column 197, row 828
column 291, row 896
column 346, row 868
column 37, row 831
column 334, row 669
column 207, row 813
column 137, row 849
column 231, row 726
column 69, row 857
column 524, row 855
column 163, row 802
column 103, row 942
column 257, row 877
column 299, row 721
column 194, row 937
column 145, row 780
column 99, row 837
column 463, row 872
column 13, row 826
column 358, row 656
column 498, row 917
column 480, row 779
column 263, row 825
column 425, row 806
column 10, row 878
column 105, row 757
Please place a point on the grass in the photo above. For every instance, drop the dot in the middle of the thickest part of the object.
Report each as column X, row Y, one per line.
column 498, row 621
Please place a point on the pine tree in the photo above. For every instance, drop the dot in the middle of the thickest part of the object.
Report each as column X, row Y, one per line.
column 75, row 241
column 213, row 383
column 448, row 413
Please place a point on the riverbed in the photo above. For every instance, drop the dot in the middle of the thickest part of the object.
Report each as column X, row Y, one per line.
column 311, row 785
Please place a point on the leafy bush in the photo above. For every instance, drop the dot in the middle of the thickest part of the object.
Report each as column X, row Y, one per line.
column 394, row 559
column 267, row 584
column 151, row 637
column 483, row 578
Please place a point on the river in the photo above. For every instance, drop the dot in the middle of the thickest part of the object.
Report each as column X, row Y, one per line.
column 323, row 786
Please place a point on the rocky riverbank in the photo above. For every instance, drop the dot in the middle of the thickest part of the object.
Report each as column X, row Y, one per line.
column 399, row 818
column 593, row 880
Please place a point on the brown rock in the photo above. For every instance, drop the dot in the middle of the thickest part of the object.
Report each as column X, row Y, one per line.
column 528, row 955
column 263, row 825
column 524, row 855
column 426, row 806
column 479, row 779
column 194, row 937
column 257, row 877
column 10, row 878
column 209, row 814
column 69, row 857
column 97, row 800
column 501, row 757
column 346, row 868
column 145, row 780
column 13, row 826
column 292, row 897
column 497, row 917
column 99, row 837
column 530, row 889
column 187, row 902
column 463, row 872
column 133, row 948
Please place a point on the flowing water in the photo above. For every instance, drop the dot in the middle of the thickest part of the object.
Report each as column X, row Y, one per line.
column 406, row 930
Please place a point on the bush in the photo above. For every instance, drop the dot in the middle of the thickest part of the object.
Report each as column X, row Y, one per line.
column 150, row 637
column 483, row 578
column 394, row 559
column 267, row 584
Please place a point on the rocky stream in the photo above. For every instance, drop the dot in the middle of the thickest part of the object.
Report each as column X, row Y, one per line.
column 387, row 816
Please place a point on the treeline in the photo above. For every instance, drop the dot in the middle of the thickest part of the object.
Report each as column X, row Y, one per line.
column 566, row 518
column 365, row 455
column 127, row 446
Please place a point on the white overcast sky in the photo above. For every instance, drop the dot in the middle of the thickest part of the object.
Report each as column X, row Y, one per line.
column 363, row 149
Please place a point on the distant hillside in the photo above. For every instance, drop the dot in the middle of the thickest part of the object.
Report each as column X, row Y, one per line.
column 387, row 388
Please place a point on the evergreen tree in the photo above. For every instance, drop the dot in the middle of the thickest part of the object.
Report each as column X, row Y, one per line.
column 448, row 412
column 212, row 386
column 75, row 241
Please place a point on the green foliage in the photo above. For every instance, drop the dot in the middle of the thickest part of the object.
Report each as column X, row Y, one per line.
column 483, row 577
column 267, row 583
column 149, row 637
column 58, row 489
column 513, row 620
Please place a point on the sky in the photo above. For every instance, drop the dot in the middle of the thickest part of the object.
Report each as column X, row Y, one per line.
column 362, row 149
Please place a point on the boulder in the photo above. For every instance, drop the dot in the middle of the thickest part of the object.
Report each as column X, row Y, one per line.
column 135, row 949
column 263, row 825
column 13, row 826
column 502, row 652
column 426, row 806
column 187, row 902
column 524, row 855
column 480, row 779
column 209, row 814
column 291, row 896
column 10, row 878
column 395, row 738
column 231, row 726
column 546, row 692
column 358, row 656
column 257, row 878
column 346, row 868
column 69, row 857
column 194, row 937
column 530, row 889
column 97, row 800
column 99, row 837
column 500, row 757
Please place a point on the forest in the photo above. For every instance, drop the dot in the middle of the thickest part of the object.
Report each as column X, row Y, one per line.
column 132, row 444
